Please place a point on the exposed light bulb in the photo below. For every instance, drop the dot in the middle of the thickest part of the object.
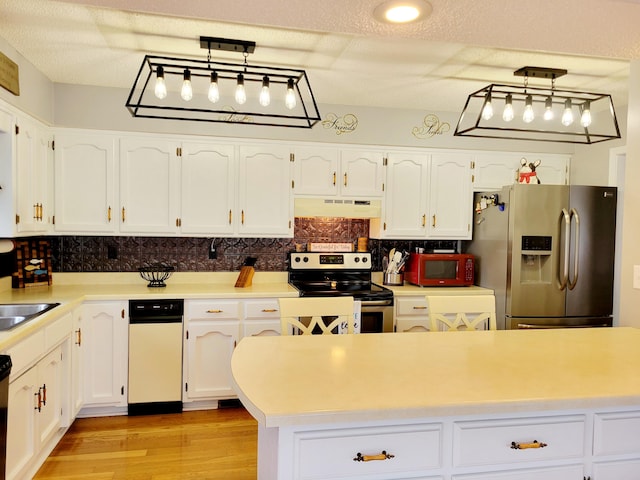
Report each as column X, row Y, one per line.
column 548, row 112
column 265, row 96
column 487, row 110
column 214, row 91
column 161, row 87
column 567, row 114
column 585, row 118
column 290, row 97
column 187, row 91
column 507, row 113
column 241, row 94
column 528, row 115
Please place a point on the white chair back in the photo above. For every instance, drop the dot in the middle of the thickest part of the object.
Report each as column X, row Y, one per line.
column 455, row 312
column 304, row 315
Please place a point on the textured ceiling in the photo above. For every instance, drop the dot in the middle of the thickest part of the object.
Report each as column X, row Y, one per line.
column 350, row 58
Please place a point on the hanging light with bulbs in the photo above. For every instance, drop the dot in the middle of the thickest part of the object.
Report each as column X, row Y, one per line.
column 538, row 113
column 223, row 92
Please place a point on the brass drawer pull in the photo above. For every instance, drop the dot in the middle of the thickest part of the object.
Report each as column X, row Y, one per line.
column 367, row 458
column 214, row 311
column 420, row 307
column 269, row 310
column 522, row 446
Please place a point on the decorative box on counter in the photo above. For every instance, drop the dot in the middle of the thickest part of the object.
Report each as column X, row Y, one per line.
column 33, row 264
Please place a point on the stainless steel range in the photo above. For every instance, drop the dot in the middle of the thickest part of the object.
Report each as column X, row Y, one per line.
column 318, row 274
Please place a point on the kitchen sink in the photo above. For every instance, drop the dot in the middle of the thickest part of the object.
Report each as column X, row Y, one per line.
column 14, row 314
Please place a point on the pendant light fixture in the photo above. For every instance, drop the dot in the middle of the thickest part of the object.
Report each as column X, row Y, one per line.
column 223, row 92
column 539, row 113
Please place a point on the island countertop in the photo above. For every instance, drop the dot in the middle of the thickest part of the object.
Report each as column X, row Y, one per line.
column 305, row 380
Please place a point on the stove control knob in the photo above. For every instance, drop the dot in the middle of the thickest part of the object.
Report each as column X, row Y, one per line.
column 305, row 259
column 296, row 259
column 357, row 259
column 364, row 260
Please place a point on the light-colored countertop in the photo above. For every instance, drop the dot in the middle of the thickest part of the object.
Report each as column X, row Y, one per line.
column 305, row 380
column 408, row 289
column 70, row 290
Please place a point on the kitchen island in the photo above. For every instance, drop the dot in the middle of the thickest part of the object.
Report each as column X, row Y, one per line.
column 550, row 404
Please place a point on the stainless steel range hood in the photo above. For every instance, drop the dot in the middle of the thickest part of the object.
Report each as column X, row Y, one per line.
column 338, row 207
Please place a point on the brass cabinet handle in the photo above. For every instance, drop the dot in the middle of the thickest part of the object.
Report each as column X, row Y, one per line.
column 109, row 214
column 345, row 179
column 269, row 310
column 39, row 397
column 123, row 215
column 229, row 216
column 367, row 458
column 215, row 311
column 433, row 221
column 525, row 445
column 79, row 337
column 44, row 394
column 424, row 220
column 420, row 307
column 242, row 217
column 334, row 178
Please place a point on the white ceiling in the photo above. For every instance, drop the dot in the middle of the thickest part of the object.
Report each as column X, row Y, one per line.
column 350, row 58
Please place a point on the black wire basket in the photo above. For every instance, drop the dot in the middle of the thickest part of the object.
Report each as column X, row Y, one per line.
column 156, row 274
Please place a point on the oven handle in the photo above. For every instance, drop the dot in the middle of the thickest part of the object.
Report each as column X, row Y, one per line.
column 377, row 303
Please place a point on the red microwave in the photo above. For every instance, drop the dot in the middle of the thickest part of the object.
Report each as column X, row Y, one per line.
column 440, row 269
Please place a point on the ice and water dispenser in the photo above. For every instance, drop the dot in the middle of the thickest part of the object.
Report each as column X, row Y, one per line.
column 536, row 259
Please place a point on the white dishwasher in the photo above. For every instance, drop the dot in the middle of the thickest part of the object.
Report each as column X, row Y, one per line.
column 155, row 356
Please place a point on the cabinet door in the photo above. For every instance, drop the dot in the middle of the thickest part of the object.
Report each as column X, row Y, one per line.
column 566, row 472
column 208, row 348
column 34, row 156
column 209, row 178
column 450, row 197
column 316, row 171
column 77, row 367
column 362, row 174
column 50, row 376
column 492, row 171
column 553, row 169
column 405, row 210
column 21, row 422
column 84, row 167
column 265, row 198
column 411, row 314
column 105, row 353
column 618, row 470
column 149, row 183
column 7, row 175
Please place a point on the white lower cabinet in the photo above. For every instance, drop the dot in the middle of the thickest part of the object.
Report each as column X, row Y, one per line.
column 616, row 441
column 77, row 365
column 105, row 347
column 261, row 317
column 411, row 314
column 565, row 472
column 34, row 413
column 212, row 330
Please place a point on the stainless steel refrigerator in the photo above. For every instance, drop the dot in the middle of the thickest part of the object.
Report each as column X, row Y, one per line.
column 548, row 253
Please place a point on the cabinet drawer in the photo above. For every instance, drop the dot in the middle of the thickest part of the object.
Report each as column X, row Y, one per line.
column 58, row 330
column 619, row 470
column 332, row 453
column 212, row 309
column 490, row 442
column 616, row 433
column 26, row 353
column 566, row 472
column 411, row 306
column 262, row 309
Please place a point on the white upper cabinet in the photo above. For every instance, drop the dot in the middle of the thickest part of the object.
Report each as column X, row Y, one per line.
column 362, row 173
column 209, row 179
column 316, row 171
column 450, row 196
column 405, row 207
column 265, row 200
column 493, row 170
column 149, row 186
column 34, row 158
column 329, row 172
column 84, row 174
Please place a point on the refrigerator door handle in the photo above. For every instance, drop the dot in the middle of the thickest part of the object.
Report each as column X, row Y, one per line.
column 565, row 261
column 576, row 249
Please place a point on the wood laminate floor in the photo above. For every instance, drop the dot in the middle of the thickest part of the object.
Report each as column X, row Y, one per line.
column 210, row 444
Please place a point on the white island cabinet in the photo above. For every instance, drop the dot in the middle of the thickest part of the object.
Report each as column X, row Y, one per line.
column 499, row 405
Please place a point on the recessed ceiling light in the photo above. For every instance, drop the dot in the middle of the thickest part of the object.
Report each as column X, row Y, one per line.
column 402, row 11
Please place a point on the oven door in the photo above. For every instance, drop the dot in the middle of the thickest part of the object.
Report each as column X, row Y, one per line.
column 376, row 316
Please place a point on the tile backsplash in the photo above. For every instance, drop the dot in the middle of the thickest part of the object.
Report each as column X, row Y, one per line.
column 189, row 254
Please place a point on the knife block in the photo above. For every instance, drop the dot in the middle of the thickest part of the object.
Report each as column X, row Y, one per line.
column 245, row 278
